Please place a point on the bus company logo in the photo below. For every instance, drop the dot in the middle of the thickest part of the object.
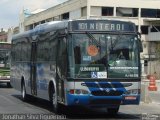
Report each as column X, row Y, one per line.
column 107, row 90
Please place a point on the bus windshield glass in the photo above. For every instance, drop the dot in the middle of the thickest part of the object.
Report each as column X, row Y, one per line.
column 4, row 59
column 103, row 56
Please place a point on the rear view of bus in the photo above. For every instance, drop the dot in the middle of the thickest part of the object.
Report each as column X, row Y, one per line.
column 104, row 64
column 5, row 63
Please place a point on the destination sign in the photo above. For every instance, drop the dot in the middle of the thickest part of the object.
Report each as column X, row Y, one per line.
column 101, row 25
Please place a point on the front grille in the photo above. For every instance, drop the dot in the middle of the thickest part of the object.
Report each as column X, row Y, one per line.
column 107, row 93
column 106, row 101
column 106, row 85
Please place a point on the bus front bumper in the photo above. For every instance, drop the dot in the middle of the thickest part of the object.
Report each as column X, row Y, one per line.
column 4, row 79
column 101, row 101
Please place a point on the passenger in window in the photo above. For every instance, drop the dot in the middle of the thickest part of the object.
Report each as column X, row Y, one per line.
column 121, row 56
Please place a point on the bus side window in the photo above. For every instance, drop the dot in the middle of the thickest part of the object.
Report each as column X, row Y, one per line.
column 18, row 52
column 43, row 47
column 25, row 49
column 13, row 52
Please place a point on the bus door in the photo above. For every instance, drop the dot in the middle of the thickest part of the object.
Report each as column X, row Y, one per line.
column 61, row 67
column 33, row 69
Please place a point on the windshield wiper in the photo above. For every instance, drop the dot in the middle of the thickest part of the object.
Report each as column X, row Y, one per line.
column 113, row 44
column 93, row 38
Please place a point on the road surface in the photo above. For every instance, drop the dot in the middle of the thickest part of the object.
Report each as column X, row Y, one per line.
column 11, row 103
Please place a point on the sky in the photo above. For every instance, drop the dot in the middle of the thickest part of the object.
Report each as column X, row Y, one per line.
column 10, row 10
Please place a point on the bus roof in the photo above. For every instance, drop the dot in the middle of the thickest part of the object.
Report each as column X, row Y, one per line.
column 42, row 28
column 81, row 25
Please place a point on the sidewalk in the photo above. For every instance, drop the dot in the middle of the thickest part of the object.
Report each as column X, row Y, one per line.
column 143, row 108
column 153, row 106
column 150, row 100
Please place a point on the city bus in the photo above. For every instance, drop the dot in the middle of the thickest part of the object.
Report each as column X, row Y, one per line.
column 90, row 63
column 5, row 62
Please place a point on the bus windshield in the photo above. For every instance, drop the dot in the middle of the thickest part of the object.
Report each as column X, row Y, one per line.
column 103, row 56
column 4, row 62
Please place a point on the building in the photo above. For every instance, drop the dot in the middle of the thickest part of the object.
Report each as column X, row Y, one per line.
column 3, row 35
column 6, row 35
column 144, row 13
column 11, row 32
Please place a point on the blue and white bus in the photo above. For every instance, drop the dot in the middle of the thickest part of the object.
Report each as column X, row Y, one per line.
column 92, row 63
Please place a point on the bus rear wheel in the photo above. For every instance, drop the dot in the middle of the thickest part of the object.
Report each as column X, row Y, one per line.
column 113, row 111
column 9, row 85
column 23, row 92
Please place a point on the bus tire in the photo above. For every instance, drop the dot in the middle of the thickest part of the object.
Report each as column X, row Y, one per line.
column 113, row 111
column 9, row 85
column 23, row 92
column 54, row 100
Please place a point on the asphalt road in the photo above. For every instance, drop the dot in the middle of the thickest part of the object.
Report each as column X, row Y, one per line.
column 11, row 103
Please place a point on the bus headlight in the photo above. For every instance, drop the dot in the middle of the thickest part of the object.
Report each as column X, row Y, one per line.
column 78, row 91
column 132, row 92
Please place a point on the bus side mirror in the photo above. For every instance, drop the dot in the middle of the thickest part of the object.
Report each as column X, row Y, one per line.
column 140, row 45
column 140, row 42
column 139, row 35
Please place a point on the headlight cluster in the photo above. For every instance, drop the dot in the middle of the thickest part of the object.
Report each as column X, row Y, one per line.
column 133, row 92
column 78, row 91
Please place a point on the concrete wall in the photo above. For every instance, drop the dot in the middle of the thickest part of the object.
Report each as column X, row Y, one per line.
column 65, row 7
column 75, row 14
column 126, row 3
column 154, row 68
column 95, row 11
column 154, row 36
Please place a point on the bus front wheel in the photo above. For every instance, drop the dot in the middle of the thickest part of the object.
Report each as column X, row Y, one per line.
column 54, row 100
